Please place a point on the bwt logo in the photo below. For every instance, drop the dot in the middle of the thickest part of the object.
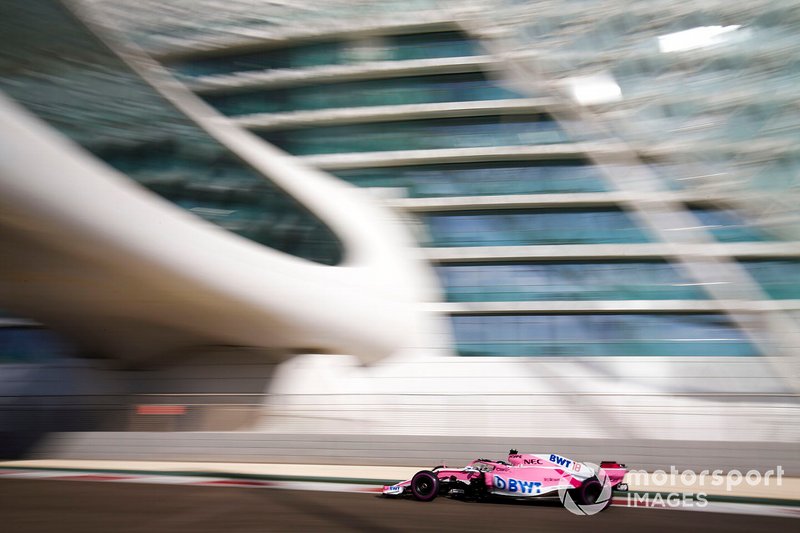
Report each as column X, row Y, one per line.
column 517, row 485
column 560, row 461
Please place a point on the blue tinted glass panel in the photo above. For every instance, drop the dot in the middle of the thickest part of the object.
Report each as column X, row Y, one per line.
column 618, row 280
column 30, row 345
column 219, row 189
column 90, row 95
column 544, row 226
column 390, row 48
column 475, row 179
column 779, row 278
column 599, row 335
column 394, row 91
column 430, row 45
column 473, row 132
column 728, row 226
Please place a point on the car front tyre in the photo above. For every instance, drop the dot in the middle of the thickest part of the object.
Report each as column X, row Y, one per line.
column 425, row 486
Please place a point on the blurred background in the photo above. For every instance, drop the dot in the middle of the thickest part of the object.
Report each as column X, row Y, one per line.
column 365, row 232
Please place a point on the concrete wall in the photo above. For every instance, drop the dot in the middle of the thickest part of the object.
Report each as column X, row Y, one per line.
column 410, row 450
column 718, row 399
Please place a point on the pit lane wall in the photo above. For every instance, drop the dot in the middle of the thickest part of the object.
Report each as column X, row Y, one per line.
column 602, row 404
column 670, row 398
column 698, row 414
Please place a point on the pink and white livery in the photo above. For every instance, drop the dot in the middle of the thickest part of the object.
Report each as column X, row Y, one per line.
column 522, row 476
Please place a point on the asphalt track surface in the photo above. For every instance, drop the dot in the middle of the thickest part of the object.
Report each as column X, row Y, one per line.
column 85, row 507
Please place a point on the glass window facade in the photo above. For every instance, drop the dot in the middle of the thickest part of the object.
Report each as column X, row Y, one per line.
column 671, row 110
column 476, row 179
column 88, row 94
column 473, row 132
column 610, row 280
column 153, row 24
column 336, row 52
column 712, row 86
column 219, row 189
column 599, row 335
column 542, row 226
column 28, row 344
column 779, row 278
column 728, row 226
column 393, row 91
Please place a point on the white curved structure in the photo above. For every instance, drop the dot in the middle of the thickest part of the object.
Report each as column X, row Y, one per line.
column 136, row 277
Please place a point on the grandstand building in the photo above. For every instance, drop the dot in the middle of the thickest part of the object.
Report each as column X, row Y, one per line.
column 512, row 221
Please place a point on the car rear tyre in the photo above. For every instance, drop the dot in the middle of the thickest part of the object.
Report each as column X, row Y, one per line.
column 425, row 486
column 589, row 492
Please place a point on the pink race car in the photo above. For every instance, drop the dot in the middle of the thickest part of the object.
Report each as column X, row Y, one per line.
column 522, row 476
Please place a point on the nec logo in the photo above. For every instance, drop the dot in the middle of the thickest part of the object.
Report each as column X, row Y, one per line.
column 560, row 461
column 533, row 461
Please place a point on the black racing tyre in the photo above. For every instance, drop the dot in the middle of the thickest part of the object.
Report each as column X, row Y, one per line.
column 589, row 492
column 425, row 486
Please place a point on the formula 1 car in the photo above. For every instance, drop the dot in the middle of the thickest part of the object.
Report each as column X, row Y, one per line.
column 522, row 476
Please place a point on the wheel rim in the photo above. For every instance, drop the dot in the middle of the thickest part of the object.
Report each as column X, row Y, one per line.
column 592, row 492
column 423, row 486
